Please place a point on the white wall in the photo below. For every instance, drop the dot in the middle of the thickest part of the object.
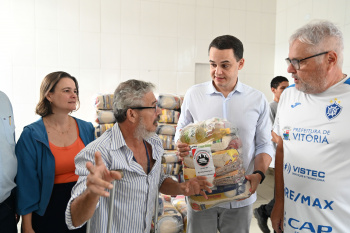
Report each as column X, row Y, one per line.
column 293, row 14
column 104, row 42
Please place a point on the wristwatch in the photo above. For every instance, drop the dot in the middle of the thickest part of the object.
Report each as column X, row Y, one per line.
column 262, row 175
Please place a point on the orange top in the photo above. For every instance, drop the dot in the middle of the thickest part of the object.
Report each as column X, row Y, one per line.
column 64, row 160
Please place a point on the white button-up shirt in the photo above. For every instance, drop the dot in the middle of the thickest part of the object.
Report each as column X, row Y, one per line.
column 246, row 108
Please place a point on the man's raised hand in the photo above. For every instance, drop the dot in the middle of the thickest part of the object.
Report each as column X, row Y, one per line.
column 100, row 178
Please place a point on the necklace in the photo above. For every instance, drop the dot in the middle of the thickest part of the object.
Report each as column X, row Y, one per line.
column 58, row 131
column 50, row 126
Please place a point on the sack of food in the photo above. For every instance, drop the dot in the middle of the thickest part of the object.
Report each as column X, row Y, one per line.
column 167, row 141
column 105, row 117
column 171, row 220
column 169, row 101
column 169, row 116
column 179, row 202
column 169, row 156
column 204, row 131
column 104, row 102
column 101, row 128
column 216, row 152
column 166, row 129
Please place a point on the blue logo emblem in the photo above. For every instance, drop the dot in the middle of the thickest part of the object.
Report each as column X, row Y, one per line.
column 296, row 104
column 287, row 167
column 334, row 109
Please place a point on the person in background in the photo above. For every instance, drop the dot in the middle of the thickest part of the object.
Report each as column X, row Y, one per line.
column 132, row 146
column 263, row 212
column 312, row 158
column 248, row 110
column 8, row 166
column 45, row 152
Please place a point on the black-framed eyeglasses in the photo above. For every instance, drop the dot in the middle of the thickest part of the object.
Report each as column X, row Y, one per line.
column 141, row 108
column 296, row 62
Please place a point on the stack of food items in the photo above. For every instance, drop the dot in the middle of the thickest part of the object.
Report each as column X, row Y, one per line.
column 172, row 218
column 215, row 153
column 179, row 202
column 104, row 113
column 170, row 105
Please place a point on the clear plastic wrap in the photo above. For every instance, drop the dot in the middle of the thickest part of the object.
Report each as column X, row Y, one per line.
column 101, row 128
column 170, row 156
column 104, row 101
column 209, row 130
column 171, row 220
column 225, row 153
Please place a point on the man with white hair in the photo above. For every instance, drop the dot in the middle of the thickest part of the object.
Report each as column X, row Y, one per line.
column 133, row 147
column 312, row 157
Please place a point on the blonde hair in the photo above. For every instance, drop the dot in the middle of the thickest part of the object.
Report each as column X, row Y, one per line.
column 43, row 108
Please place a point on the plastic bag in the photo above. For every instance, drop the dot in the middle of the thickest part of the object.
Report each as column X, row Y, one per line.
column 203, row 131
column 225, row 153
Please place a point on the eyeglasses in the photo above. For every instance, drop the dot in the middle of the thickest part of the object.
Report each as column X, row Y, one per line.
column 296, row 62
column 141, row 108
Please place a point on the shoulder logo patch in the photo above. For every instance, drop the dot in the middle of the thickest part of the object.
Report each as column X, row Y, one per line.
column 334, row 109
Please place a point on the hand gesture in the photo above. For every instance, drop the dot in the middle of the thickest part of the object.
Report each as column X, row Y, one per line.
column 197, row 185
column 100, row 178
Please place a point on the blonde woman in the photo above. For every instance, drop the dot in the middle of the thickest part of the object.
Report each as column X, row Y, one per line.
column 46, row 152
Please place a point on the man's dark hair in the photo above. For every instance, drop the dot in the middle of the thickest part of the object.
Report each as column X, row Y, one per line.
column 275, row 82
column 228, row 42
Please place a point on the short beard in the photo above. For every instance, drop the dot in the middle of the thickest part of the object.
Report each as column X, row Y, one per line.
column 141, row 132
column 318, row 85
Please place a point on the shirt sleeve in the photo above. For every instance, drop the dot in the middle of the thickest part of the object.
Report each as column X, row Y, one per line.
column 276, row 124
column 162, row 176
column 185, row 116
column 263, row 131
column 28, row 185
column 272, row 114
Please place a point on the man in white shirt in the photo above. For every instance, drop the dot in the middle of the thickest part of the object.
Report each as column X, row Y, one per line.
column 312, row 157
column 132, row 146
column 246, row 108
column 8, row 166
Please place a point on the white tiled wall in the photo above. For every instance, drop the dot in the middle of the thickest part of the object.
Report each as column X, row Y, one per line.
column 292, row 14
column 104, row 42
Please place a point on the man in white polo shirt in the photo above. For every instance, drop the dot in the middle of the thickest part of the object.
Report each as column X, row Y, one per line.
column 312, row 158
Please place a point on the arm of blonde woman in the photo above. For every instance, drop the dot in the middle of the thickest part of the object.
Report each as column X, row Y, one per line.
column 98, row 180
column 27, row 223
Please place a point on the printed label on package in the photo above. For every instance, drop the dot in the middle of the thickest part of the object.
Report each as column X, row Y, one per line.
column 203, row 163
